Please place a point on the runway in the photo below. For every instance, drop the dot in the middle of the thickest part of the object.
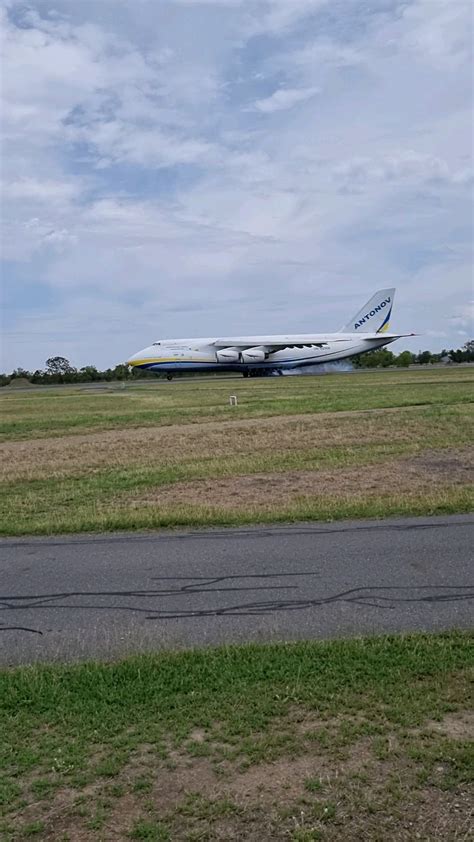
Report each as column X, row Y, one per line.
column 72, row 598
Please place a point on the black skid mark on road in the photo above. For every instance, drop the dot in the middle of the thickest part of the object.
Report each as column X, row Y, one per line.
column 237, row 534
column 194, row 585
column 205, row 582
column 375, row 597
column 372, row 597
column 3, row 628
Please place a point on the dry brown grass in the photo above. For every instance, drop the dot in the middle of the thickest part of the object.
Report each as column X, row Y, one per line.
column 455, row 726
column 430, row 471
column 147, row 446
column 188, row 471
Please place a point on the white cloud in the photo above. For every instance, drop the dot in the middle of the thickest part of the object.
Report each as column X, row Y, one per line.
column 223, row 3
column 142, row 195
column 76, row 84
column 323, row 53
column 275, row 15
column 464, row 316
column 440, row 30
column 42, row 190
column 281, row 16
column 400, row 167
column 284, row 98
column 118, row 141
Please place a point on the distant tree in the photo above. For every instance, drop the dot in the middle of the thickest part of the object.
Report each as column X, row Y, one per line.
column 386, row 357
column 459, row 355
column 381, row 358
column 469, row 351
column 404, row 359
column 39, row 376
column 121, row 372
column 59, row 365
column 21, row 372
column 89, row 373
column 424, row 357
column 4, row 379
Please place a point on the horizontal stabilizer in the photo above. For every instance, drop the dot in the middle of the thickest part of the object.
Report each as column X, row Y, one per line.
column 376, row 336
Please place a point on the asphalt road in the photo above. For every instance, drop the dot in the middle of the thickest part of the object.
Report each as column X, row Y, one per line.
column 101, row 596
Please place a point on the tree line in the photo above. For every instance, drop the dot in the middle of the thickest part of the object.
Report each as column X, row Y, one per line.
column 383, row 357
column 60, row 370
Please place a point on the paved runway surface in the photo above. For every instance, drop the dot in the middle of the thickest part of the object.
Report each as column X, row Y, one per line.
column 88, row 596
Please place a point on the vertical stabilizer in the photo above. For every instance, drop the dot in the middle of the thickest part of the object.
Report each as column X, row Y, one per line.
column 374, row 316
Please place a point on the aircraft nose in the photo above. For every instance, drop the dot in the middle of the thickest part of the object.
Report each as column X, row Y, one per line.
column 133, row 360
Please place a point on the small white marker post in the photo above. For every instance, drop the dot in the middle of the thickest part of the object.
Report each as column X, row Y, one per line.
column 233, row 400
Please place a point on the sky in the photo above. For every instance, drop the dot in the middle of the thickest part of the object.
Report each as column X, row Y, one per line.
column 175, row 168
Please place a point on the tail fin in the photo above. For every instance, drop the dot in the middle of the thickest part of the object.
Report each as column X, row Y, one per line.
column 374, row 316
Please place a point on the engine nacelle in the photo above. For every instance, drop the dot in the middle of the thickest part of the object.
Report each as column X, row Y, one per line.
column 253, row 355
column 228, row 355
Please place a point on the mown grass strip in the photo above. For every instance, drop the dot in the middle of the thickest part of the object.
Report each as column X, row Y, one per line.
column 86, row 497
column 40, row 414
column 235, row 447
column 115, row 484
column 131, row 518
column 109, row 484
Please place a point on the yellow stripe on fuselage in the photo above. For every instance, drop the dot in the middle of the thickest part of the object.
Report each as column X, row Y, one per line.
column 151, row 361
column 167, row 360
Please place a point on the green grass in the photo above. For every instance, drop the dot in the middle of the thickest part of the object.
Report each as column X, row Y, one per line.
column 108, row 484
column 119, row 732
column 155, row 831
column 94, row 499
column 70, row 410
column 90, row 520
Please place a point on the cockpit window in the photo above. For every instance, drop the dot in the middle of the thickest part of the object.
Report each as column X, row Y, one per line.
column 157, row 343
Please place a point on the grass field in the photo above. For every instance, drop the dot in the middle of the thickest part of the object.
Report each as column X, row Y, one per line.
column 340, row 740
column 296, row 448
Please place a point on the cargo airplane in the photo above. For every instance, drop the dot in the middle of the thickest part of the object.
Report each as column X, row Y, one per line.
column 257, row 355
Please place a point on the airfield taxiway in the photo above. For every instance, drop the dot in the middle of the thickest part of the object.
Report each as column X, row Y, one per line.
column 69, row 598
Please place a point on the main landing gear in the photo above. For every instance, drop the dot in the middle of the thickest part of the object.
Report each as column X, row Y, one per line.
column 169, row 376
column 262, row 372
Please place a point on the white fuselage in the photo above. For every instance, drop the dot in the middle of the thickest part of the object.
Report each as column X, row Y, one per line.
column 254, row 353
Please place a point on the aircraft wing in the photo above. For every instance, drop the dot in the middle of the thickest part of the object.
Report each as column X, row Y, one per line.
column 275, row 343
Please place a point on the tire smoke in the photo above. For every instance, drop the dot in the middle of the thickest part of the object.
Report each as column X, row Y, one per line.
column 339, row 366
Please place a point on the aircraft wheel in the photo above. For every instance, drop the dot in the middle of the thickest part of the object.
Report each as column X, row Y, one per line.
column 169, row 376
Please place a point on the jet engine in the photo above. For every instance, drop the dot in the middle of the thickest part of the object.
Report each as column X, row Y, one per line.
column 253, row 355
column 228, row 355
